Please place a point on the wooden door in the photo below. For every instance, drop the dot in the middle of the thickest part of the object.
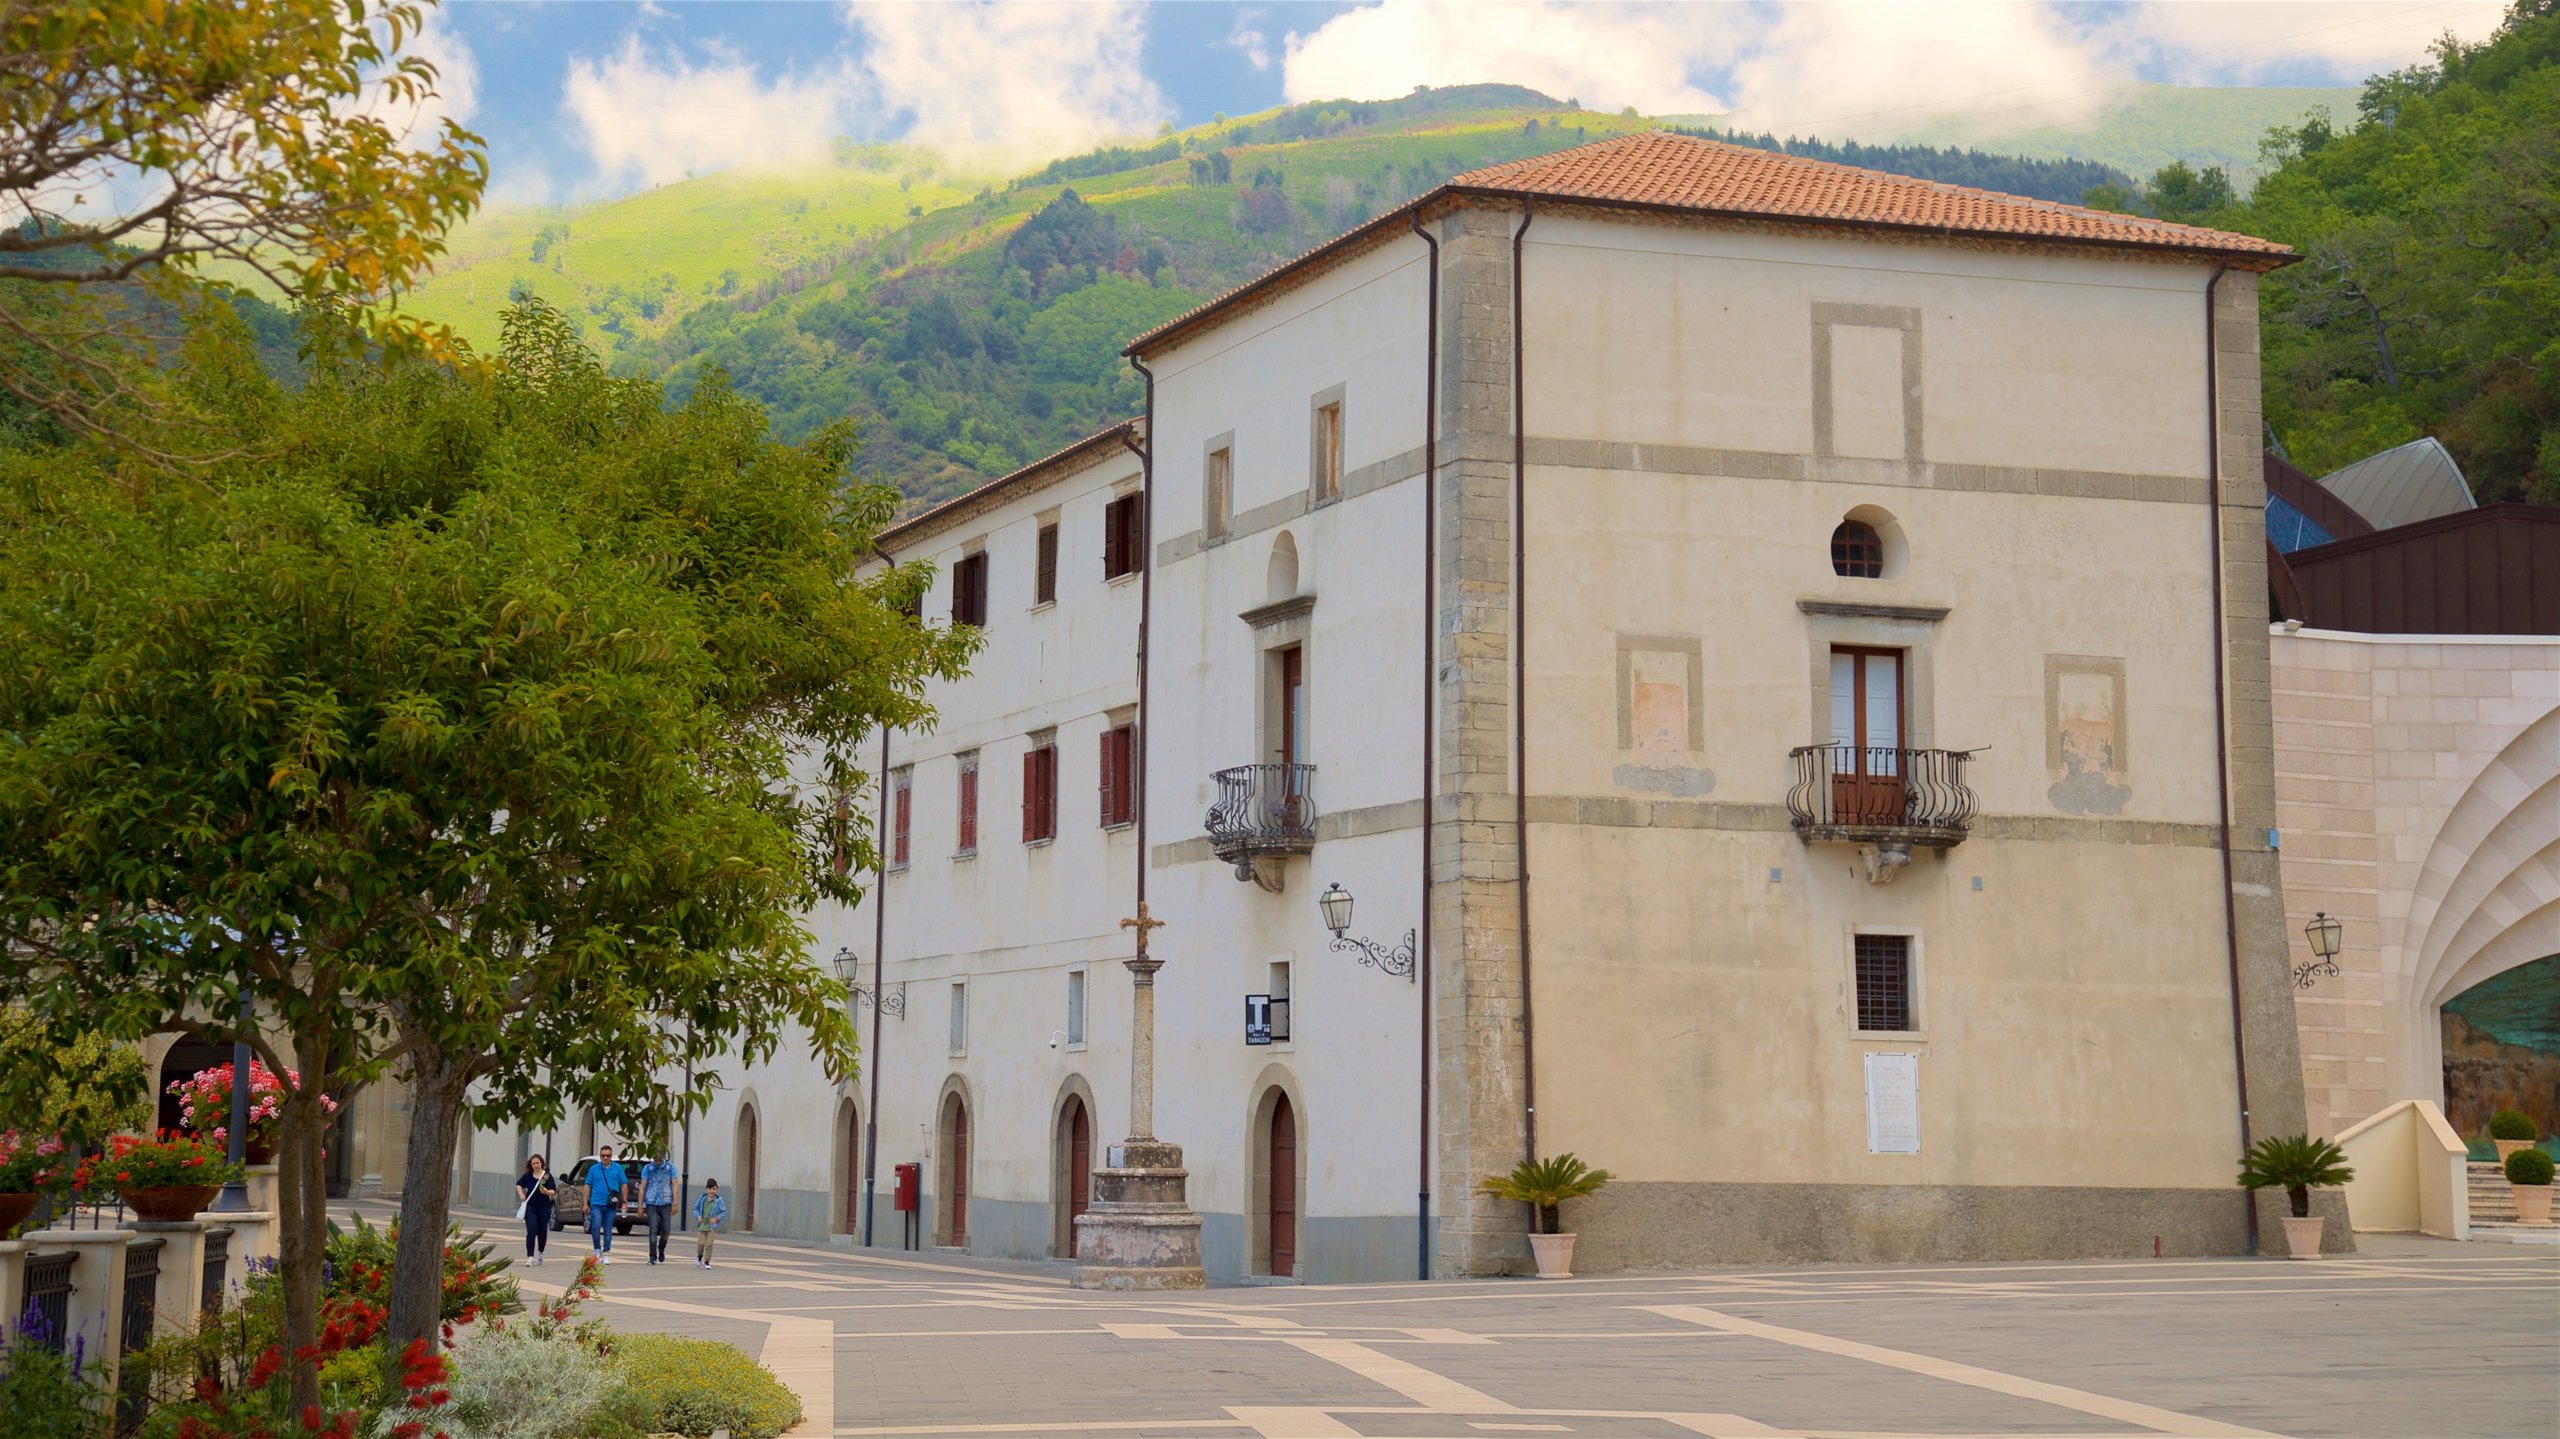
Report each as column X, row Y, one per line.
column 747, row 1210
column 959, row 1175
column 1079, row 1168
column 1866, row 736
column 1293, row 681
column 1284, row 1187
column 852, row 1171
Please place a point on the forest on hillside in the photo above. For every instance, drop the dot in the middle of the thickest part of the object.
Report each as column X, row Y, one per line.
column 2428, row 298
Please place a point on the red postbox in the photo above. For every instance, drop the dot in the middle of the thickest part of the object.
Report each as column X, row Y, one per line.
column 907, row 1186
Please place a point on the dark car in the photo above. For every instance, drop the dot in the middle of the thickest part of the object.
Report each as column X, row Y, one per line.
column 628, row 1214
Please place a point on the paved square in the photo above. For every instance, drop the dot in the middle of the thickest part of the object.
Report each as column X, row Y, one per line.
column 2411, row 1338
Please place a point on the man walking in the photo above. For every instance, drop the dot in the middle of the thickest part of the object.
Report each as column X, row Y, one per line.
column 605, row 1183
column 658, row 1196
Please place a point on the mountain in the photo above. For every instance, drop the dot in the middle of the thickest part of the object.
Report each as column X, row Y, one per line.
column 966, row 327
column 2148, row 126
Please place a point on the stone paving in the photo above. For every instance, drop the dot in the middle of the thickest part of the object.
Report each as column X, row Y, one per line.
column 2408, row 1338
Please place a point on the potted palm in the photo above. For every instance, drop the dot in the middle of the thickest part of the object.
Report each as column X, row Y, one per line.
column 1544, row 1185
column 2529, row 1176
column 2296, row 1164
column 2511, row 1130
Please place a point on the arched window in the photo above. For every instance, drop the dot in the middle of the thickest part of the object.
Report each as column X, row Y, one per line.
column 1857, row 551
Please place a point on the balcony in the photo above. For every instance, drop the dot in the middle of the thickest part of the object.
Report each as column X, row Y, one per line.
column 1892, row 799
column 1264, row 814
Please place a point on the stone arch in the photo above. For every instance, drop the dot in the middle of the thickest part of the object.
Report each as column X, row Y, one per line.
column 2488, row 896
column 1274, row 1084
column 1073, row 1094
column 746, row 1151
column 1889, row 535
column 846, row 1188
column 1280, row 576
column 955, row 1142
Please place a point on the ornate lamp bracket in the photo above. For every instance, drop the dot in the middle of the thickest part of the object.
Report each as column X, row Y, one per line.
column 1397, row 961
column 892, row 1000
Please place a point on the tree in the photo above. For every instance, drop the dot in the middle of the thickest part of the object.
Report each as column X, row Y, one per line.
column 142, row 142
column 2180, row 192
column 82, row 1091
column 490, row 726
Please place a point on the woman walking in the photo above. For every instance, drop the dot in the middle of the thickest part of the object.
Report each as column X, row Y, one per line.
column 709, row 1210
column 539, row 1192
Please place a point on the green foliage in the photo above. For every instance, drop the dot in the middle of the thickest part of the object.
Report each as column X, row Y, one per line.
column 2185, row 195
column 2529, row 1166
column 694, row 1386
column 475, row 1274
column 2428, row 301
column 84, row 1086
column 44, row 1395
column 2296, row 1164
column 1545, row 1184
column 2513, row 1124
column 511, row 1383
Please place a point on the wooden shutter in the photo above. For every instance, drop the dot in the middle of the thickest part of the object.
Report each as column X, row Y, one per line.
column 969, row 807
column 1048, row 791
column 1111, row 566
column 904, row 808
column 1110, row 778
column 1030, row 795
column 1047, row 591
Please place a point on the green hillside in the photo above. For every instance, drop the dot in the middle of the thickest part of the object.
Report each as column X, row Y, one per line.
column 631, row 266
column 2149, row 126
column 985, row 331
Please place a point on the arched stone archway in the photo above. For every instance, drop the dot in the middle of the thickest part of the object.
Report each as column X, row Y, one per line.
column 1072, row 1130
column 1276, row 1145
column 749, row 1151
column 848, row 1168
column 954, row 1142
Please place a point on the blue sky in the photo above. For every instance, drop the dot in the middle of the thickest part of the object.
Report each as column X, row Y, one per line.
column 585, row 98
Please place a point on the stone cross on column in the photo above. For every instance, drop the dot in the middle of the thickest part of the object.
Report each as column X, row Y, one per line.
column 1142, row 1028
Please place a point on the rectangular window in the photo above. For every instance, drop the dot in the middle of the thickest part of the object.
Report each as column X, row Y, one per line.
column 1123, row 537
column 969, row 803
column 969, row 590
column 1217, row 492
column 1040, row 794
column 959, row 1016
column 1044, row 585
column 1328, row 455
column 1119, row 780
column 1075, row 1006
column 1292, row 699
column 1884, row 983
column 1279, row 1001
column 902, row 809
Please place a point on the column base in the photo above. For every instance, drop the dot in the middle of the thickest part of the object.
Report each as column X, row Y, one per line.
column 1140, row 1232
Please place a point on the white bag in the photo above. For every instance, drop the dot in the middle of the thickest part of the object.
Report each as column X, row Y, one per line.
column 520, row 1205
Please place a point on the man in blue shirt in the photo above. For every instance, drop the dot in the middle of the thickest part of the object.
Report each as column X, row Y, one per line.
column 605, row 1183
column 658, row 1196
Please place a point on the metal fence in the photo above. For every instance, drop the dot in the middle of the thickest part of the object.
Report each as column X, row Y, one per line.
column 217, row 1264
column 1262, row 809
column 1864, row 786
column 141, row 1307
column 49, row 1299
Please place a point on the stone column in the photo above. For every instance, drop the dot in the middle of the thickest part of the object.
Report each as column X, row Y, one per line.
column 13, row 1277
column 97, row 1292
column 1140, row 1232
column 181, row 1270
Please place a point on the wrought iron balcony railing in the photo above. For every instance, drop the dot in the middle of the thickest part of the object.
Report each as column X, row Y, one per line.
column 1264, row 811
column 1866, row 794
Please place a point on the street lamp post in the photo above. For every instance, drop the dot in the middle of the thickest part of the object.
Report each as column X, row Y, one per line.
column 234, row 1198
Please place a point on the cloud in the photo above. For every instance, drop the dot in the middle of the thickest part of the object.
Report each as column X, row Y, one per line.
column 1000, row 84
column 1864, row 68
column 1605, row 56
column 1249, row 40
column 650, row 114
column 454, row 95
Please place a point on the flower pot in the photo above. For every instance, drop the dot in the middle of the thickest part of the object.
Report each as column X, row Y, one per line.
column 14, row 1208
column 2509, row 1146
column 2302, row 1237
column 1555, row 1255
column 262, row 1151
column 170, row 1205
column 2533, row 1203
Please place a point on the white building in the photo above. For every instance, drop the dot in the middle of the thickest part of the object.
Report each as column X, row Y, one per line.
column 1894, row 875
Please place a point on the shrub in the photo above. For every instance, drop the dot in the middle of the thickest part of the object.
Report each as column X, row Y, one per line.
column 2529, row 1166
column 512, row 1383
column 2296, row 1164
column 475, row 1279
column 2513, row 1124
column 44, row 1395
column 1544, row 1185
column 694, row 1386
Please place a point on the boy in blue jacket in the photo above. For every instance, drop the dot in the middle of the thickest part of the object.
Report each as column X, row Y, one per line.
column 710, row 1212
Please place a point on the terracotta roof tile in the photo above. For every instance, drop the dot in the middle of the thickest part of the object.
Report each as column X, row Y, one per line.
column 1682, row 173
column 1687, row 173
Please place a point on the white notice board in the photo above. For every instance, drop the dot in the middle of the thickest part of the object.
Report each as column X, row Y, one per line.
column 1893, row 1104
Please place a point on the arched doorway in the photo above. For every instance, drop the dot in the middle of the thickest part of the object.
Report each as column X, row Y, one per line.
column 462, row 1161
column 1277, row 1178
column 183, row 1060
column 1074, row 1181
column 951, row 1216
column 586, row 1141
column 743, row 1208
column 848, row 1168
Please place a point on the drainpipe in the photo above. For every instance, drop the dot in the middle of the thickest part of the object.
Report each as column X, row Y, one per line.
column 879, row 957
column 1520, row 683
column 1146, row 454
column 2222, row 721
column 1430, row 679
